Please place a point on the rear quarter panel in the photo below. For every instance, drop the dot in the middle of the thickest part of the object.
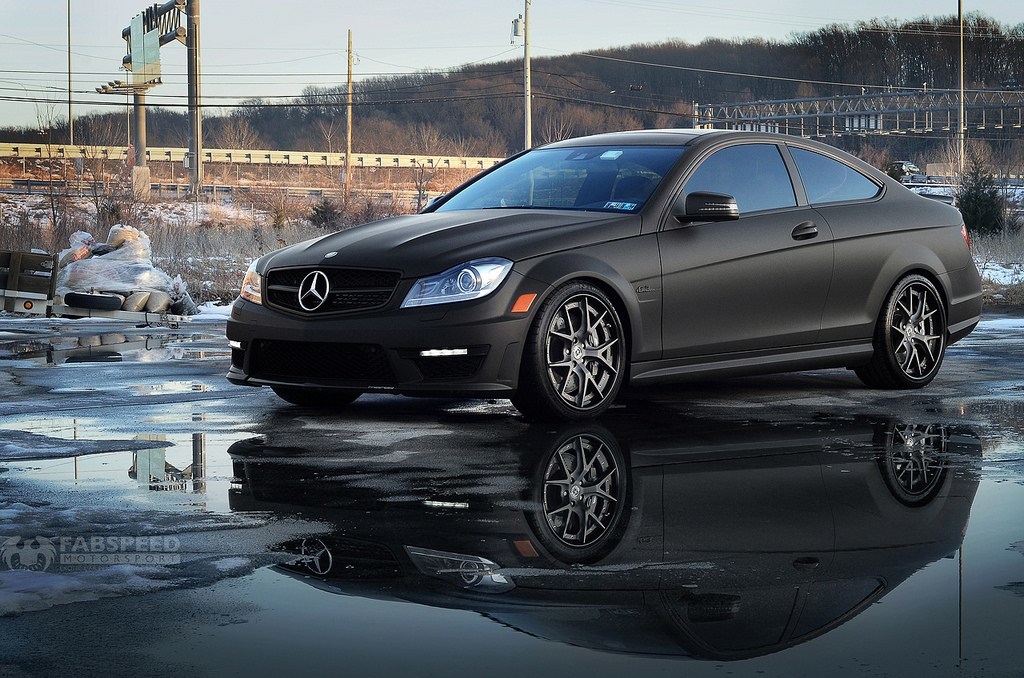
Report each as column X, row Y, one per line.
column 877, row 243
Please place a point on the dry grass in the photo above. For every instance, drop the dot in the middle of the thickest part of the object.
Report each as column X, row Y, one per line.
column 996, row 253
column 212, row 259
column 208, row 245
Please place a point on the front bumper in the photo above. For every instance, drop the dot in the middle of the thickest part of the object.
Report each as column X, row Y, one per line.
column 474, row 348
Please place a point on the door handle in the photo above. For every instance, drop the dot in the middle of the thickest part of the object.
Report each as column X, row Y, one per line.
column 805, row 231
column 806, row 564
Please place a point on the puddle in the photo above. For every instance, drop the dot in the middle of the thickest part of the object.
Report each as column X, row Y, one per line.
column 109, row 347
column 717, row 538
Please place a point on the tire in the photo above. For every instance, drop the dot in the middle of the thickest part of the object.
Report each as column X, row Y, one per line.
column 910, row 337
column 575, row 358
column 583, row 493
column 96, row 301
column 316, row 397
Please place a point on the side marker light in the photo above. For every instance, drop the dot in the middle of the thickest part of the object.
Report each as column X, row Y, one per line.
column 523, row 303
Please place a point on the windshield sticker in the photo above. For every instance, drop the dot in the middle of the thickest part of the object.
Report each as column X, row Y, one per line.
column 611, row 155
column 629, row 206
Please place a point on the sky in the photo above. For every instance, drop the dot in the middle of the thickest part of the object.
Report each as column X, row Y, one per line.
column 257, row 48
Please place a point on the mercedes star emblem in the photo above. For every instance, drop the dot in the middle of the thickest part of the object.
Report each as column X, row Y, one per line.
column 313, row 291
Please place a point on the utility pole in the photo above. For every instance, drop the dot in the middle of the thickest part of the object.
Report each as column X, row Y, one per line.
column 528, row 122
column 348, row 135
column 71, row 119
column 195, row 114
column 963, row 122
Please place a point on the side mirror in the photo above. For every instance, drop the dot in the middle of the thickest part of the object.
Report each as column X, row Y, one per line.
column 699, row 206
column 432, row 203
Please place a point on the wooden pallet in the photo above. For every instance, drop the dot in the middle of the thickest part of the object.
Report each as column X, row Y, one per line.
column 27, row 283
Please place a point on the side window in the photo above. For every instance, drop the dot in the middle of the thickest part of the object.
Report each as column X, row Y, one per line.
column 754, row 174
column 828, row 180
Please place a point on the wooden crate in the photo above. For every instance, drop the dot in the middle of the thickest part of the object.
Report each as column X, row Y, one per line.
column 27, row 281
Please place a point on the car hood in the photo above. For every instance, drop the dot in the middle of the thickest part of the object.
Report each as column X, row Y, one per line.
column 422, row 244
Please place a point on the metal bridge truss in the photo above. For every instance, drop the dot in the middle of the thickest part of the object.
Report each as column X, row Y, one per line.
column 930, row 112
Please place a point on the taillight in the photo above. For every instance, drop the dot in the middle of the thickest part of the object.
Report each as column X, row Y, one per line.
column 967, row 239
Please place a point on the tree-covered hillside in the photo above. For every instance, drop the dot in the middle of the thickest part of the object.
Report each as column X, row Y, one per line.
column 478, row 110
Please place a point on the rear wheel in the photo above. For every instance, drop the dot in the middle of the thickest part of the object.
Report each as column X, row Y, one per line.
column 910, row 337
column 575, row 358
column 316, row 397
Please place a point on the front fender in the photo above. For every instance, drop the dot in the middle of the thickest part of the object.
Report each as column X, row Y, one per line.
column 629, row 271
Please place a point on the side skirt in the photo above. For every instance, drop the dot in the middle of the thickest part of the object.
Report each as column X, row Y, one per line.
column 753, row 362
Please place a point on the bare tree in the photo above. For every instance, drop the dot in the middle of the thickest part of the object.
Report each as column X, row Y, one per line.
column 556, row 126
column 328, row 127
column 61, row 223
column 428, row 139
column 424, row 175
column 237, row 133
column 97, row 168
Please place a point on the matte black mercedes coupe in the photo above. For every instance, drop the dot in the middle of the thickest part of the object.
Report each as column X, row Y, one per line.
column 569, row 271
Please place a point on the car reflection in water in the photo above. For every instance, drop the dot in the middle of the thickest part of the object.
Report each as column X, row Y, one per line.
column 714, row 540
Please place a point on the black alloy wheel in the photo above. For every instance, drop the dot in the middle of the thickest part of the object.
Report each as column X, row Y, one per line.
column 575, row 360
column 910, row 338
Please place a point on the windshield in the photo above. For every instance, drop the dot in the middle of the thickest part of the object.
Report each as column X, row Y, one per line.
column 604, row 178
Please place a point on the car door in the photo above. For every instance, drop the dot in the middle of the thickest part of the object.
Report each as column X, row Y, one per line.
column 759, row 282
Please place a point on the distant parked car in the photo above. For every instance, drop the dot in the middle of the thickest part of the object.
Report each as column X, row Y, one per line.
column 569, row 271
column 903, row 168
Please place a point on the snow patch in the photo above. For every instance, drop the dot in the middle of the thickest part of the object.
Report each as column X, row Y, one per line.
column 1002, row 273
column 214, row 310
column 23, row 446
column 29, row 591
column 1002, row 324
column 232, row 564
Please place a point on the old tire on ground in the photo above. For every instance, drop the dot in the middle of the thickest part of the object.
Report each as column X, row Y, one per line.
column 95, row 300
column 910, row 337
column 575, row 358
column 316, row 397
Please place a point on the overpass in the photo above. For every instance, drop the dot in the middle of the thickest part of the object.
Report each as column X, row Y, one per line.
column 37, row 151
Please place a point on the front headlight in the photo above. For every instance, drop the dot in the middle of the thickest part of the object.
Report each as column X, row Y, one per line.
column 464, row 571
column 252, row 285
column 471, row 280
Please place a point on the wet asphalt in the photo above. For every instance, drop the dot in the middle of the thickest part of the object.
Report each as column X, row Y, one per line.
column 155, row 519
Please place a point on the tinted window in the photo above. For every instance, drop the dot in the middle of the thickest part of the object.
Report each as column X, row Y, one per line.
column 828, row 180
column 606, row 178
column 754, row 174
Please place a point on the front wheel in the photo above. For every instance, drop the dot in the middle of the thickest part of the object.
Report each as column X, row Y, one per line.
column 315, row 397
column 575, row 358
column 910, row 337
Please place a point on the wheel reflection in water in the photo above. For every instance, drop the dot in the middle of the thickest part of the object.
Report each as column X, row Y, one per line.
column 913, row 465
column 582, row 486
